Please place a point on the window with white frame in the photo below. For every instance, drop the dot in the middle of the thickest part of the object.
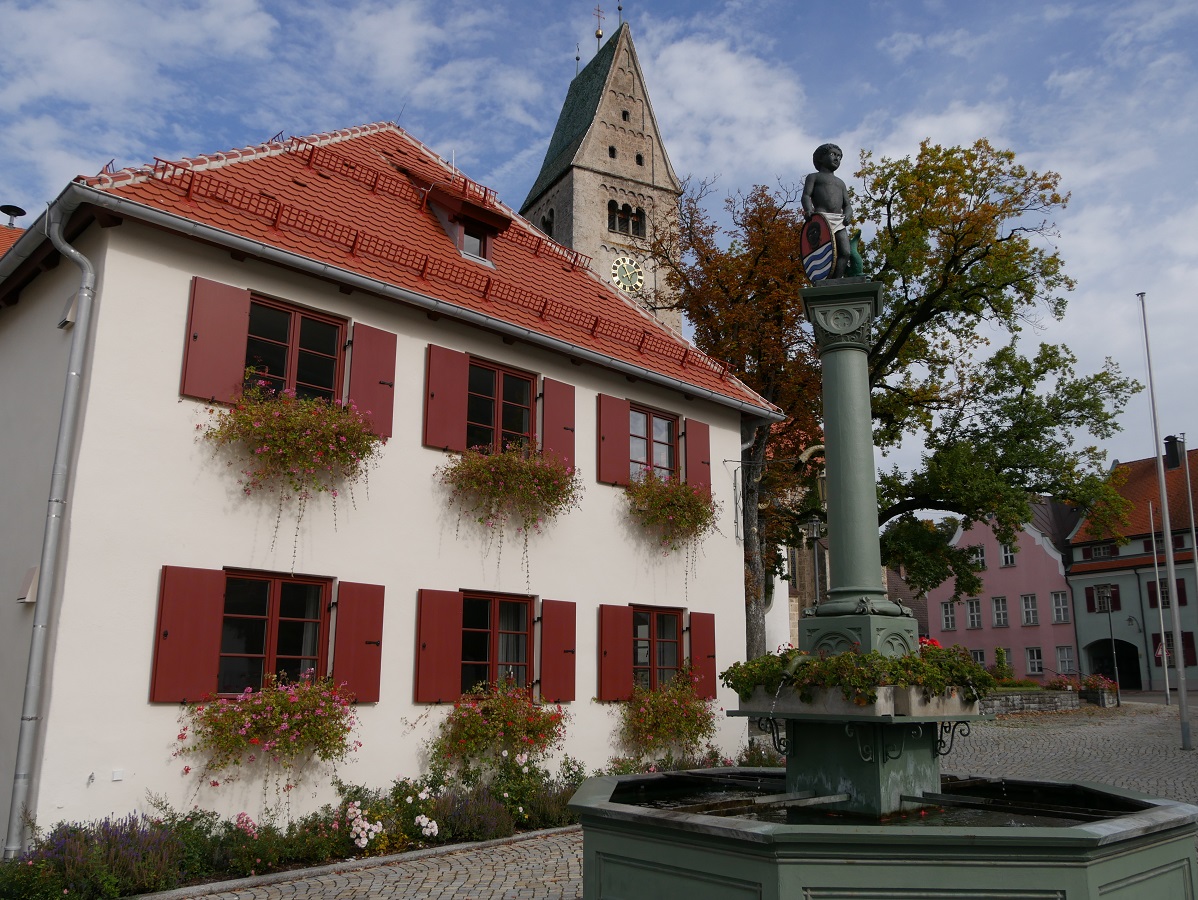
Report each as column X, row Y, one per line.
column 973, row 610
column 948, row 616
column 1060, row 606
column 1000, row 611
column 1102, row 598
column 1035, row 661
column 1031, row 615
column 1008, row 554
column 979, row 656
column 1065, row 664
column 978, row 556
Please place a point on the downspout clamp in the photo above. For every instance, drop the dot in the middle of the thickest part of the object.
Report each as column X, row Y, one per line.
column 47, row 586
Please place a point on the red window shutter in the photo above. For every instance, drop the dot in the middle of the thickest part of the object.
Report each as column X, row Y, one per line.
column 698, row 454
column 1187, row 649
column 438, row 646
column 1152, row 601
column 703, row 653
column 615, row 652
column 358, row 648
column 558, row 619
column 1091, row 605
column 1181, row 592
column 446, row 383
column 613, row 452
column 557, row 429
column 191, row 605
column 218, row 325
column 1156, row 646
column 1115, row 604
column 372, row 376
column 1087, row 552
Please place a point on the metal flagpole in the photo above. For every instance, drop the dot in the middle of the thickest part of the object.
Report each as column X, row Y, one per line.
column 1167, row 529
column 1185, row 454
column 1163, row 650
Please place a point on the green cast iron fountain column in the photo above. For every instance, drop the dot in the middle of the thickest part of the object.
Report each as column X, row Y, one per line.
column 857, row 613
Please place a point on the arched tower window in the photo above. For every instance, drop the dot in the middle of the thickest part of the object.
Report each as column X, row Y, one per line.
column 613, row 214
column 611, row 151
column 625, row 218
column 640, row 159
column 638, row 223
column 547, row 222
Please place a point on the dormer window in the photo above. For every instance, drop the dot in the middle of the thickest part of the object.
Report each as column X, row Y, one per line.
column 474, row 240
column 471, row 225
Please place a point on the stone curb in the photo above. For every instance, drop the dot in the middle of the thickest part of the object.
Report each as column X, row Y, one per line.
column 348, row 865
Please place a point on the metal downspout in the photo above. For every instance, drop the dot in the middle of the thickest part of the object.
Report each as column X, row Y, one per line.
column 47, row 586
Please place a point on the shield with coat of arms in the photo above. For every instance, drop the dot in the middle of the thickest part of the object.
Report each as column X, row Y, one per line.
column 818, row 248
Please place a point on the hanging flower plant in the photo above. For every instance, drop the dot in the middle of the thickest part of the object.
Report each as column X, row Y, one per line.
column 515, row 487
column 294, row 446
column 678, row 514
column 284, row 724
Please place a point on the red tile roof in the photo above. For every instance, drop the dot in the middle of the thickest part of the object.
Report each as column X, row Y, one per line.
column 355, row 200
column 8, row 237
column 1128, row 559
column 1140, row 487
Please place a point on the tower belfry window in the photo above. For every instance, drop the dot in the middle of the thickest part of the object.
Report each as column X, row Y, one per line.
column 638, row 223
column 547, row 223
column 625, row 219
column 613, row 214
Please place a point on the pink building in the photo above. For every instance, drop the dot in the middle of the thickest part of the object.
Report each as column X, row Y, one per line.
column 1024, row 606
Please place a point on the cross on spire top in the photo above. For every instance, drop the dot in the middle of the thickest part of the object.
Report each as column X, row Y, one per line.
column 599, row 17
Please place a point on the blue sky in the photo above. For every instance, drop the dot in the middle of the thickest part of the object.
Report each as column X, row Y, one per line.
column 1105, row 93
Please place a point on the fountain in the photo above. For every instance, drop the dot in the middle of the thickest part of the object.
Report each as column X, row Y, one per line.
column 862, row 809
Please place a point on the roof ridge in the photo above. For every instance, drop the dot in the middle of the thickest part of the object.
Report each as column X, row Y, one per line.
column 203, row 162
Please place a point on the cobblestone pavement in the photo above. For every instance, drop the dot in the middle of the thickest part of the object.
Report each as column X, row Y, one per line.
column 1136, row 746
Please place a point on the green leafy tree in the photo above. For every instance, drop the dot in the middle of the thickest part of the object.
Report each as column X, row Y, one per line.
column 961, row 239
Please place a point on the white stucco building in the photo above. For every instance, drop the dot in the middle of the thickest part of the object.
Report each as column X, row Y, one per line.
column 370, row 269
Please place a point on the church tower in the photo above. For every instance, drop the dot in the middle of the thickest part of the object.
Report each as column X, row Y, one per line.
column 606, row 176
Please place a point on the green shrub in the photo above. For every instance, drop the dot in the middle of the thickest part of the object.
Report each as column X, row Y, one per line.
column 472, row 814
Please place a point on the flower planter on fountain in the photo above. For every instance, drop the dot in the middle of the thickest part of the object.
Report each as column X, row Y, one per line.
column 892, row 701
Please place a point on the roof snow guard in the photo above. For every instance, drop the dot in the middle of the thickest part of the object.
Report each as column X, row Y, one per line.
column 355, row 204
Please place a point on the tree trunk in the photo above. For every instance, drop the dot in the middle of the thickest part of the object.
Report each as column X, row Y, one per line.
column 752, row 467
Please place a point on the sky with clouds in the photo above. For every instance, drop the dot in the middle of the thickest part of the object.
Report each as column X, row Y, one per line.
column 1105, row 93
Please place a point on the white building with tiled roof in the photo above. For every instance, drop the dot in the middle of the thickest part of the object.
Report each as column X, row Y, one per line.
column 421, row 285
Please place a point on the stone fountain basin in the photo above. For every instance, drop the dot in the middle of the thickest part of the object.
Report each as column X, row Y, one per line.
column 1137, row 847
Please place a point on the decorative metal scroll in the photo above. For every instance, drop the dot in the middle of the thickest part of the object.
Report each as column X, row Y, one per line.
column 888, row 750
column 777, row 732
column 948, row 735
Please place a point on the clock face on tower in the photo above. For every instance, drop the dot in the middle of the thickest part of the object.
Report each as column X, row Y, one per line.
column 627, row 275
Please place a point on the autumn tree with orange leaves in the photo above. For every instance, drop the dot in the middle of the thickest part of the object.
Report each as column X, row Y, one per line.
column 961, row 239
